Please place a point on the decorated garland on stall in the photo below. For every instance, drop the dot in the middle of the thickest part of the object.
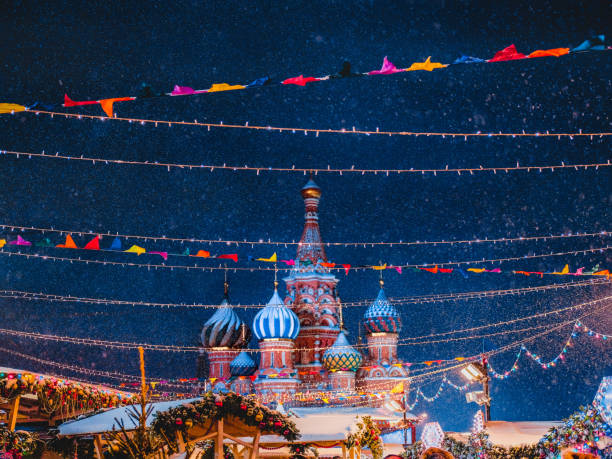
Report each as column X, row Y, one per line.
column 367, row 436
column 19, row 443
column 584, row 430
column 58, row 396
column 216, row 406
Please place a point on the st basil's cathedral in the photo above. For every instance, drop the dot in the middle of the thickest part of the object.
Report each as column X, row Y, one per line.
column 302, row 344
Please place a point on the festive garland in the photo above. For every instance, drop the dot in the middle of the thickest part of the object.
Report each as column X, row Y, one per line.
column 19, row 443
column 58, row 396
column 583, row 429
column 367, row 435
column 214, row 407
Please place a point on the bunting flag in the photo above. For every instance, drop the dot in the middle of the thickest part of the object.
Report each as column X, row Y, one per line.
column 272, row 259
column 595, row 43
column 398, row 389
column 289, row 262
column 379, row 268
column 555, row 52
column 11, row 108
column 230, row 256
column 507, row 54
column 69, row 244
column 116, row 245
column 135, row 249
column 328, row 265
column 218, row 87
column 164, row 255
column 431, row 270
column 20, row 241
column 346, row 268
column 427, row 65
column 46, row 242
column 565, row 270
column 94, row 244
column 387, row 68
column 300, row 81
column 2, row 243
column 201, row 253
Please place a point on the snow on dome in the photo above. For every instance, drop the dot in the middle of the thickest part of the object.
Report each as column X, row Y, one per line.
column 342, row 356
column 276, row 321
column 225, row 329
column 381, row 316
column 242, row 365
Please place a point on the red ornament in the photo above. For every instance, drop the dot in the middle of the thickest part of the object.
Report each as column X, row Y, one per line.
column 179, row 421
column 243, row 406
column 278, row 423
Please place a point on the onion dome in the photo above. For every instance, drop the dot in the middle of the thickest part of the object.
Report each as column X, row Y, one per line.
column 342, row 356
column 311, row 190
column 225, row 328
column 276, row 321
column 242, row 365
column 381, row 316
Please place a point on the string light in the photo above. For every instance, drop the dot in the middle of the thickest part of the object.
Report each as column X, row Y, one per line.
column 264, row 268
column 177, row 348
column 327, row 244
column 316, row 171
column 422, row 299
column 451, row 135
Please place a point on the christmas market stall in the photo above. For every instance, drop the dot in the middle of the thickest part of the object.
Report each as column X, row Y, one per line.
column 32, row 398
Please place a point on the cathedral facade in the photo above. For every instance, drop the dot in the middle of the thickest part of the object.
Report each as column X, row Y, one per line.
column 302, row 346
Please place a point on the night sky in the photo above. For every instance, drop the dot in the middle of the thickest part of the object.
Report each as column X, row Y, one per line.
column 98, row 50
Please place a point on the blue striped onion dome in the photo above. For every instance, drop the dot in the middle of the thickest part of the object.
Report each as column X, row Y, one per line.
column 342, row 356
column 242, row 365
column 276, row 321
column 225, row 329
column 381, row 316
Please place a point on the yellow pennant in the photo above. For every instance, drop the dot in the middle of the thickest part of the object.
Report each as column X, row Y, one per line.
column 272, row 259
column 136, row 249
column 11, row 108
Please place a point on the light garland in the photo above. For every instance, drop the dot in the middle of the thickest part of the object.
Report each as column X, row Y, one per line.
column 578, row 326
column 176, row 348
column 264, row 268
column 317, row 131
column 421, row 299
column 305, row 171
column 365, row 244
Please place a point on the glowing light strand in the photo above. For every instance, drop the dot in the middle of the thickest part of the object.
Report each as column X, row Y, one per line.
column 177, row 348
column 266, row 268
column 304, row 171
column 422, row 299
column 327, row 244
column 317, row 131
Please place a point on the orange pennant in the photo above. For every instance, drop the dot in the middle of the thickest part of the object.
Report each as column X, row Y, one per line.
column 431, row 270
column 107, row 104
column 202, row 253
column 328, row 265
column 69, row 244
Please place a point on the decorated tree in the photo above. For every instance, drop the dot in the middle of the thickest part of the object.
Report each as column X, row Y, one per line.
column 584, row 430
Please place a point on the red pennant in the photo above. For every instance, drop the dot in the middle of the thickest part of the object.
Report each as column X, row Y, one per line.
column 346, row 269
column 229, row 256
column 300, row 81
column 446, row 270
column 507, row 54
column 94, row 244
column 68, row 102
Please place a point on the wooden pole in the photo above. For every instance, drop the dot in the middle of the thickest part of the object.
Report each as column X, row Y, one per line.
column 219, row 441
column 343, row 451
column 179, row 442
column 255, row 450
column 143, row 392
column 98, row 446
column 12, row 420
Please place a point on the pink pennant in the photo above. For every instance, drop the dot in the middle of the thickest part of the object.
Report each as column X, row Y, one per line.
column 289, row 262
column 182, row 91
column 496, row 270
column 397, row 268
column 164, row 255
column 20, row 241
column 578, row 272
column 386, row 69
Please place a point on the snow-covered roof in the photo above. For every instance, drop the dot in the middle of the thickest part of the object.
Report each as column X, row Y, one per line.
column 104, row 422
